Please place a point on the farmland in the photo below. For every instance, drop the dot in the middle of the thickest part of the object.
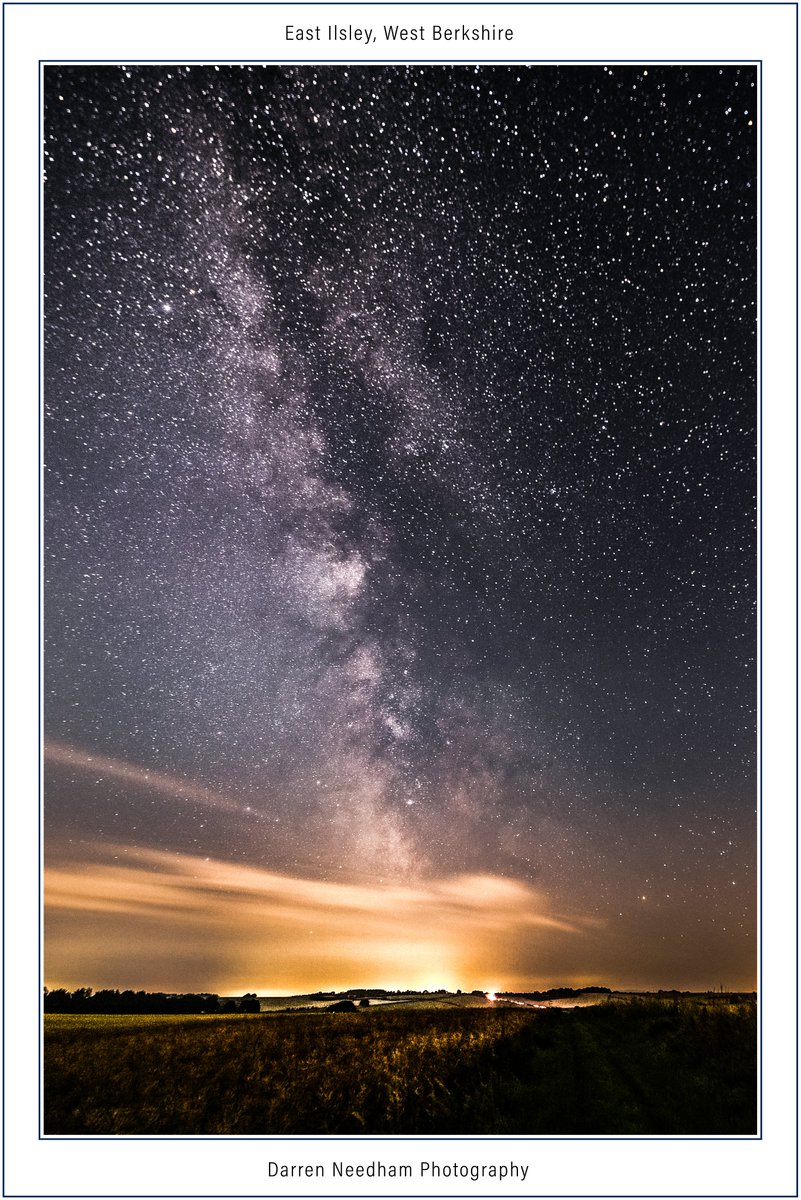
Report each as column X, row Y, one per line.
column 645, row 1066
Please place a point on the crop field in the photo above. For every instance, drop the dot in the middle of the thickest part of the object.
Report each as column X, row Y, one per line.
column 642, row 1067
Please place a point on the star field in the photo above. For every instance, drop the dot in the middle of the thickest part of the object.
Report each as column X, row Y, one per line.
column 400, row 515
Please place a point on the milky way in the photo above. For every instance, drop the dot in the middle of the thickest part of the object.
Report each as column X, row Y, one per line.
column 400, row 520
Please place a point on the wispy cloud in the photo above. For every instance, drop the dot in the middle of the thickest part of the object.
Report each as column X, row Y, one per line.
column 159, row 782
column 129, row 917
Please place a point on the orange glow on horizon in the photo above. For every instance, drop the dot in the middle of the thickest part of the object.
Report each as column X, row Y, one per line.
column 148, row 919
column 120, row 916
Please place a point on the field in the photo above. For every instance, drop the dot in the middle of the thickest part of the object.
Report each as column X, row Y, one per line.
column 641, row 1067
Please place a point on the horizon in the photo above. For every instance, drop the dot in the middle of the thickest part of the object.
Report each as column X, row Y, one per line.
column 489, row 993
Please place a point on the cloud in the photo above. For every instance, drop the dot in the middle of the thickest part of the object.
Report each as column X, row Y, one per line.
column 159, row 782
column 126, row 917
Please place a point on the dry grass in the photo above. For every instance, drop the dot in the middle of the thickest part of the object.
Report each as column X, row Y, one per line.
column 635, row 1068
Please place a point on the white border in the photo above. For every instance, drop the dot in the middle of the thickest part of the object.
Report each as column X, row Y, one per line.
column 597, row 32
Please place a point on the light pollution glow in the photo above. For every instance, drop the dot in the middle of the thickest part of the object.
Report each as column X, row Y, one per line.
column 140, row 918
column 123, row 915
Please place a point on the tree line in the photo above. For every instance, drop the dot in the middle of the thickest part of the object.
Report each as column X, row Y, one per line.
column 110, row 1001
column 560, row 993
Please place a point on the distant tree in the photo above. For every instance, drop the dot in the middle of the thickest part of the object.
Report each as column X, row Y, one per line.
column 109, row 1000
column 59, row 1000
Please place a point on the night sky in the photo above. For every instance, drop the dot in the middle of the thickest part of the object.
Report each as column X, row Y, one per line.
column 400, row 526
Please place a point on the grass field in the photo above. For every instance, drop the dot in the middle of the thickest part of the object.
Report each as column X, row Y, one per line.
column 645, row 1067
